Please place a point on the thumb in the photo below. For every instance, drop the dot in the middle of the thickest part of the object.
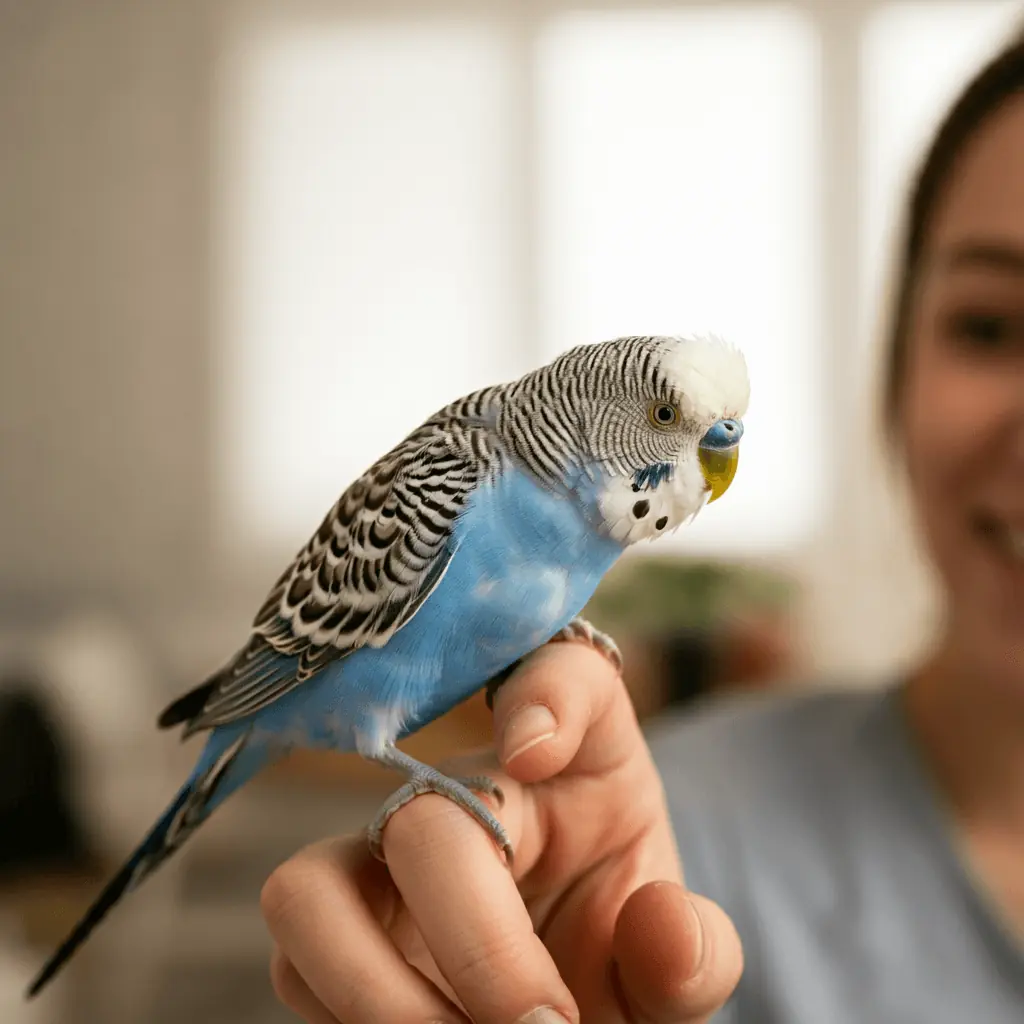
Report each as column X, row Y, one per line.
column 678, row 956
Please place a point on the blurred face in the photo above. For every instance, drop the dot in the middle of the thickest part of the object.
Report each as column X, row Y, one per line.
column 963, row 400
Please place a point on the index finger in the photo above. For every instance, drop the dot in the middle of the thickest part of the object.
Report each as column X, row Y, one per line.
column 466, row 905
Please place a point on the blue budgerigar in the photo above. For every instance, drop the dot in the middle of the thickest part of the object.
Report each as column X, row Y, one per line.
column 477, row 539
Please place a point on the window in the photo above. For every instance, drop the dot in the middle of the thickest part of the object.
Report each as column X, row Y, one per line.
column 679, row 157
column 364, row 261
column 415, row 205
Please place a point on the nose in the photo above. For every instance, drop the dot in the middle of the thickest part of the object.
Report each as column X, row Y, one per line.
column 723, row 435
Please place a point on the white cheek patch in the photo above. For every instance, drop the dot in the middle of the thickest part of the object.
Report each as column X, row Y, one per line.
column 631, row 516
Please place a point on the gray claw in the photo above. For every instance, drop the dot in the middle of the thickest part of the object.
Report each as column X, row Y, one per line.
column 581, row 631
column 459, row 791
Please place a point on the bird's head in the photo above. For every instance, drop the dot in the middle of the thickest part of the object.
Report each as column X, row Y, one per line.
column 659, row 422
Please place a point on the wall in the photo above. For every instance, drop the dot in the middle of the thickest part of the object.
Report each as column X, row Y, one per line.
column 103, row 301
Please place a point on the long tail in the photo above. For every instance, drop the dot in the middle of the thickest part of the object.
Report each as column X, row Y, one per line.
column 189, row 809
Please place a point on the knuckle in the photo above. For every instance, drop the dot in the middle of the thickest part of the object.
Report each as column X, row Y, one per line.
column 485, row 961
column 291, row 884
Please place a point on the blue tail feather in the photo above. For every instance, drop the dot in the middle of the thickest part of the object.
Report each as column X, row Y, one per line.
column 189, row 809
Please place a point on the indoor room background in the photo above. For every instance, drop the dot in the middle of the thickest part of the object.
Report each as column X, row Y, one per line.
column 246, row 246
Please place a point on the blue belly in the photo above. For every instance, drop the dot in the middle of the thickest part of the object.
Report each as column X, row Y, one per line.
column 526, row 563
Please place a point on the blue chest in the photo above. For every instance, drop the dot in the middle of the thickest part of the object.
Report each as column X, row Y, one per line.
column 526, row 562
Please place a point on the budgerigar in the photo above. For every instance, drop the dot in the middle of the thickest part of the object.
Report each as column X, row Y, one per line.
column 476, row 540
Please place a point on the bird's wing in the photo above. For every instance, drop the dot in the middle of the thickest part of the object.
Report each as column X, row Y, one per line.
column 375, row 559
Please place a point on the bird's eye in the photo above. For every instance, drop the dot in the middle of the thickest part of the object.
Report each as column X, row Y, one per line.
column 661, row 414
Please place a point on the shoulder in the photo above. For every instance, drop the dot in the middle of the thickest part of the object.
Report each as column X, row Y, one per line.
column 756, row 785
column 764, row 740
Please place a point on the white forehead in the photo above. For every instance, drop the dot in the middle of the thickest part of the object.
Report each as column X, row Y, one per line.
column 709, row 374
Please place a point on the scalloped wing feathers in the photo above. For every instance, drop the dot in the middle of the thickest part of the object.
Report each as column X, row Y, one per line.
column 377, row 556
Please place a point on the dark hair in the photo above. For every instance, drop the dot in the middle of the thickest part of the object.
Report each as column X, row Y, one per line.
column 1001, row 79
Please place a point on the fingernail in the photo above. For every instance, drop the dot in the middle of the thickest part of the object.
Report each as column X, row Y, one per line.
column 543, row 1015
column 526, row 728
column 698, row 930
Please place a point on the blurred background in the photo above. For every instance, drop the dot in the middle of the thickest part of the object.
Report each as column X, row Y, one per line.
column 245, row 246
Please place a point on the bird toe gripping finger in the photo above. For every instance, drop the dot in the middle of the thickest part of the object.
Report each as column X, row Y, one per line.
column 581, row 631
column 459, row 791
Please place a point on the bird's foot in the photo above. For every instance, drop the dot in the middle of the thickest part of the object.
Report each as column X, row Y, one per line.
column 578, row 631
column 581, row 631
column 458, row 790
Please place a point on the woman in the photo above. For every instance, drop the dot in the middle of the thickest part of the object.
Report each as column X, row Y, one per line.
column 867, row 848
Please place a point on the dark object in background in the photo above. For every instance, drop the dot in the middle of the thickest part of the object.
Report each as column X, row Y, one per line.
column 753, row 653
column 39, row 830
column 690, row 666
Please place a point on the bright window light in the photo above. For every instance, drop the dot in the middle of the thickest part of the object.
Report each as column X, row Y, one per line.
column 680, row 193
column 364, row 252
column 915, row 58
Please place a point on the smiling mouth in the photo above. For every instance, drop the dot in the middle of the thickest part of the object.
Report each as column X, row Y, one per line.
column 1008, row 540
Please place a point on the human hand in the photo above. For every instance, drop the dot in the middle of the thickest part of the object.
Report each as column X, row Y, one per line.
column 594, row 922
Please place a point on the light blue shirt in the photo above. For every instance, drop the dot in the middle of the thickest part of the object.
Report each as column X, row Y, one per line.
column 811, row 820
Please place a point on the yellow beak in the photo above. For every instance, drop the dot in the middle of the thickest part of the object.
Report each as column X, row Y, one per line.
column 719, row 468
